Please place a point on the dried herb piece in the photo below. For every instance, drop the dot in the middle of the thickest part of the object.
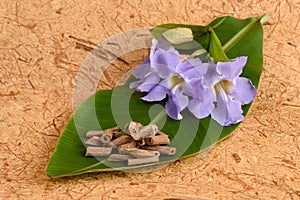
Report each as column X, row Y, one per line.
column 117, row 134
column 104, row 139
column 98, row 151
column 118, row 157
column 110, row 132
column 138, row 161
column 92, row 133
column 133, row 129
column 129, row 145
column 148, row 131
column 163, row 150
column 139, row 153
column 120, row 140
column 94, row 141
column 157, row 140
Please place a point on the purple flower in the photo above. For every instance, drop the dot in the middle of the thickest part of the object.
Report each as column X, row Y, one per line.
column 230, row 90
column 154, row 68
column 172, row 84
column 163, row 74
column 201, row 97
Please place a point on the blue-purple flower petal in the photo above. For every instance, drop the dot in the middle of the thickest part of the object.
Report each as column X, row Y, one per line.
column 194, row 88
column 135, row 84
column 232, row 70
column 157, row 93
column 142, row 69
column 201, row 108
column 149, row 82
column 244, row 90
column 175, row 104
column 227, row 112
column 211, row 76
column 191, row 69
column 165, row 62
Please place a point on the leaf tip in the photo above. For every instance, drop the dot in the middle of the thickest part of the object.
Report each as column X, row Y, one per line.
column 264, row 18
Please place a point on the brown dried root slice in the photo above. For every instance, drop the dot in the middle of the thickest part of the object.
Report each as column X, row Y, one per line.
column 139, row 153
column 98, row 151
column 138, row 131
column 169, row 151
column 118, row 157
column 133, row 129
column 104, row 139
column 129, row 145
column 117, row 134
column 97, row 134
column 148, row 131
column 94, row 141
column 138, row 161
column 120, row 140
column 163, row 150
column 110, row 132
column 141, row 142
column 158, row 139
column 92, row 133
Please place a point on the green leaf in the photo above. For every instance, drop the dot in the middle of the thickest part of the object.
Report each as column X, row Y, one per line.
column 108, row 108
column 178, row 35
column 216, row 49
column 200, row 33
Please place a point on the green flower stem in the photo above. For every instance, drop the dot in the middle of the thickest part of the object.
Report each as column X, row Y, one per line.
column 244, row 32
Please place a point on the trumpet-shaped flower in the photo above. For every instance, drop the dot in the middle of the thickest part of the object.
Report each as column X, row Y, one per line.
column 164, row 74
column 231, row 91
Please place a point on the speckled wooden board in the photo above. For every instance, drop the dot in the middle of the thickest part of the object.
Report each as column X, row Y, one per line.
column 42, row 45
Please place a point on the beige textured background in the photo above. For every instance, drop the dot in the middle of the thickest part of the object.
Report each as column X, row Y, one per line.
column 43, row 43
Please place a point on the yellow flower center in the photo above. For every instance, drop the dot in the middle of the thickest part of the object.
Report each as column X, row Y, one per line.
column 223, row 87
column 176, row 81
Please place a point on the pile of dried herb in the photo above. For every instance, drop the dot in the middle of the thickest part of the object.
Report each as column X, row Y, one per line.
column 136, row 144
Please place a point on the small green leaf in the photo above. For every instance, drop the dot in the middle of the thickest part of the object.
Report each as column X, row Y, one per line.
column 200, row 35
column 216, row 49
column 178, row 35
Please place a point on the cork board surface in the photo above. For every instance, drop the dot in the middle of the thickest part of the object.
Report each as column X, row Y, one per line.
column 42, row 45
